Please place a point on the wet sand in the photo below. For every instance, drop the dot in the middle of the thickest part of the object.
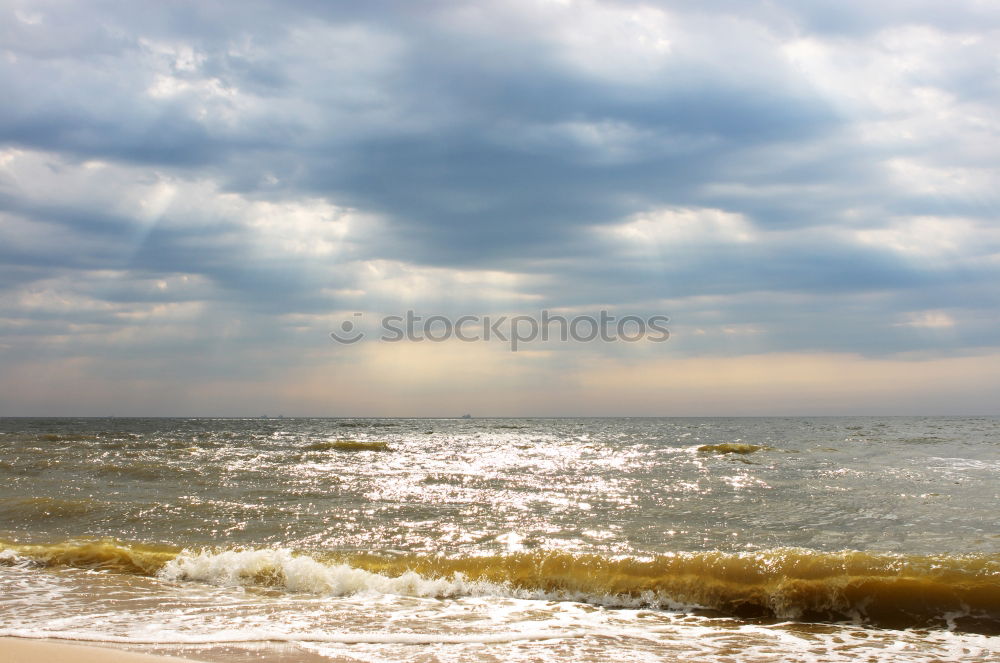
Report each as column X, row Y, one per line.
column 20, row 650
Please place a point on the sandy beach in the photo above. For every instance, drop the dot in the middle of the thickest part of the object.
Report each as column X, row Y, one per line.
column 19, row 650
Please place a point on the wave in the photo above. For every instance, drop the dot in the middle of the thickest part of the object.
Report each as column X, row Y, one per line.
column 34, row 509
column 148, row 471
column 348, row 445
column 730, row 448
column 367, row 424
column 66, row 437
column 879, row 589
column 105, row 554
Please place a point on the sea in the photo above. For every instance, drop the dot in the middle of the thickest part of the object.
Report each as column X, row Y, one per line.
column 717, row 540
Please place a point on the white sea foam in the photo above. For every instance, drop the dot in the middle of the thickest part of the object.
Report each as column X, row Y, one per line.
column 301, row 573
column 199, row 615
column 9, row 557
column 280, row 567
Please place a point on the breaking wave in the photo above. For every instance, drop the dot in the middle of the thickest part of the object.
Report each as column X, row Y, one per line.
column 888, row 590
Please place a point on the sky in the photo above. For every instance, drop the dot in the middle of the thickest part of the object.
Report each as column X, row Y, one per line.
column 194, row 195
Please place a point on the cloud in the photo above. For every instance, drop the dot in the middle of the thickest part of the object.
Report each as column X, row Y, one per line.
column 929, row 320
column 779, row 178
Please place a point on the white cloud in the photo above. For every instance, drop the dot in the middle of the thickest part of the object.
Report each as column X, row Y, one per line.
column 398, row 284
column 932, row 237
column 620, row 43
column 967, row 183
column 910, row 87
column 143, row 198
column 665, row 229
column 927, row 320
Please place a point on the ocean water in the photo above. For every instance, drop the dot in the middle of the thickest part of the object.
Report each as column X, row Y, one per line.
column 716, row 540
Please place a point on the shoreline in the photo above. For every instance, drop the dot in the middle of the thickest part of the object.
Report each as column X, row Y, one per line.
column 29, row 650
column 15, row 649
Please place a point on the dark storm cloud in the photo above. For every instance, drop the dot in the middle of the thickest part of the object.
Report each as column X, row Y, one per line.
column 509, row 137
